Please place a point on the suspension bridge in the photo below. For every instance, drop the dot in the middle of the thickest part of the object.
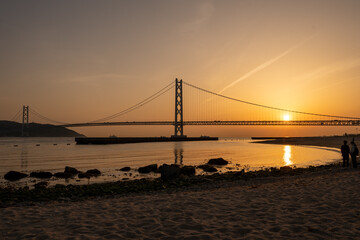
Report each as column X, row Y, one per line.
column 222, row 107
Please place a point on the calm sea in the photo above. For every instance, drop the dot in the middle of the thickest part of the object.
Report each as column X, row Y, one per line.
column 53, row 154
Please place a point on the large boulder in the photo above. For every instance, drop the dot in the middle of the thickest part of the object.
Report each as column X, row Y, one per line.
column 148, row 169
column 286, row 169
column 89, row 173
column 68, row 173
column 218, row 161
column 125, row 169
column 84, row 175
column 41, row 174
column 93, row 172
column 170, row 171
column 207, row 168
column 14, row 175
column 187, row 170
column 71, row 170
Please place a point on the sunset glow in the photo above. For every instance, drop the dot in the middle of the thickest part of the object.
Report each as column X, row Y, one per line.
column 287, row 156
column 286, row 117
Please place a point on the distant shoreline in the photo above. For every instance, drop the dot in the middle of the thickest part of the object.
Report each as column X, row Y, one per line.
column 14, row 129
column 327, row 141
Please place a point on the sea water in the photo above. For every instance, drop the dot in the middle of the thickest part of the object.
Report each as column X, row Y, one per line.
column 53, row 154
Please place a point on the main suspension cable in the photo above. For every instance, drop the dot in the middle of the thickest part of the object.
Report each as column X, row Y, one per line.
column 16, row 115
column 45, row 118
column 138, row 105
column 268, row 107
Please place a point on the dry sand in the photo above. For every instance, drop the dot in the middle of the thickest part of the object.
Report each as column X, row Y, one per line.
column 322, row 205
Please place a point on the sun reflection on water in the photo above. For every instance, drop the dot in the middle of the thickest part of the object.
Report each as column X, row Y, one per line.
column 287, row 155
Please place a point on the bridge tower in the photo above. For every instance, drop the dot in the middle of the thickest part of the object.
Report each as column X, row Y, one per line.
column 179, row 120
column 25, row 122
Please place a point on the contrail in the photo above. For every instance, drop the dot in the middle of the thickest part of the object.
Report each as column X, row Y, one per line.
column 266, row 64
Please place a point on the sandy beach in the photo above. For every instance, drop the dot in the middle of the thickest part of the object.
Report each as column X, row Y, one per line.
column 321, row 205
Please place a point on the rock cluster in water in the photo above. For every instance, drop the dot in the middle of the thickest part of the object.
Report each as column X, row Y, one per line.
column 214, row 161
column 207, row 168
column 14, row 175
column 148, row 169
column 173, row 171
column 89, row 173
column 125, row 169
column 167, row 171
column 218, row 161
column 41, row 174
column 69, row 172
column 11, row 196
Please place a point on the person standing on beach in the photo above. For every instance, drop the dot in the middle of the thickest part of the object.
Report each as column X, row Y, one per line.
column 345, row 150
column 354, row 151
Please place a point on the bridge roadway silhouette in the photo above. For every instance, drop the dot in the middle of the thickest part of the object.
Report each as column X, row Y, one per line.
column 236, row 123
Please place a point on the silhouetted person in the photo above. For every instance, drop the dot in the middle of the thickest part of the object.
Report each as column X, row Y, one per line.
column 345, row 150
column 354, row 151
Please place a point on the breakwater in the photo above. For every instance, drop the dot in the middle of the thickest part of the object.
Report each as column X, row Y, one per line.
column 123, row 140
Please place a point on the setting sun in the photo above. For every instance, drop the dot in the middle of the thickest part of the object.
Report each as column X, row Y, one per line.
column 286, row 117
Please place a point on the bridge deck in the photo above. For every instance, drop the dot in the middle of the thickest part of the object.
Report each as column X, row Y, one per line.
column 244, row 123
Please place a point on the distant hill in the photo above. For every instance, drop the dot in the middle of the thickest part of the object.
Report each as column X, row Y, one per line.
column 13, row 129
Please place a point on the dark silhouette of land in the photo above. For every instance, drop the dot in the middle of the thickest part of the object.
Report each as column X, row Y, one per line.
column 13, row 129
column 326, row 141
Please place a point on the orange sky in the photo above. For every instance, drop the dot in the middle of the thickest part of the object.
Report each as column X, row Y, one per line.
column 77, row 61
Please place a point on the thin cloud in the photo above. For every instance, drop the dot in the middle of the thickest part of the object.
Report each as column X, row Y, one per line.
column 266, row 64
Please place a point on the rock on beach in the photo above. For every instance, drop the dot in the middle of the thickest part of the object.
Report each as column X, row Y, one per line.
column 207, row 168
column 93, row 172
column 89, row 173
column 14, row 175
column 188, row 170
column 71, row 170
column 125, row 169
column 41, row 174
column 63, row 175
column 170, row 171
column 218, row 161
column 68, row 173
column 148, row 169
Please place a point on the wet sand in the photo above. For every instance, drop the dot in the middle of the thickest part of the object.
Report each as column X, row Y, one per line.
column 318, row 205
